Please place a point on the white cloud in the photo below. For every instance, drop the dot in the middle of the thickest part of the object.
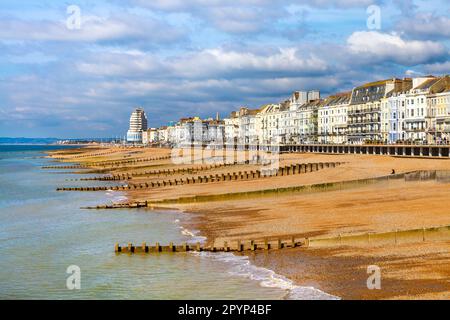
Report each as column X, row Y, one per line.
column 438, row 68
column 120, row 63
column 426, row 25
column 93, row 28
column 391, row 47
column 216, row 62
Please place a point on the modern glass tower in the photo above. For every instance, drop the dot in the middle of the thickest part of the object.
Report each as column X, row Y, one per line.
column 138, row 123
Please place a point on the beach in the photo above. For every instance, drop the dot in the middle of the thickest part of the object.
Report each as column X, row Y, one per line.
column 234, row 210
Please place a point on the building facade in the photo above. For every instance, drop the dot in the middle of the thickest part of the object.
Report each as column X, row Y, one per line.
column 409, row 110
column 138, row 124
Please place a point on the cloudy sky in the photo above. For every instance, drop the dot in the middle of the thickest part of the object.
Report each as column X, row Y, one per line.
column 176, row 58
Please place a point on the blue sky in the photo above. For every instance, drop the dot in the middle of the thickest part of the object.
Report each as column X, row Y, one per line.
column 181, row 58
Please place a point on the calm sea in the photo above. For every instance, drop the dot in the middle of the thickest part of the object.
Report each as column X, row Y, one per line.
column 43, row 232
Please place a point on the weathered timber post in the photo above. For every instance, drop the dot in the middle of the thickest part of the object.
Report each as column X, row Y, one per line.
column 225, row 247
column 266, row 244
column 306, row 242
column 199, row 248
column 279, row 244
column 130, row 247
column 157, row 247
column 117, row 248
column 239, row 246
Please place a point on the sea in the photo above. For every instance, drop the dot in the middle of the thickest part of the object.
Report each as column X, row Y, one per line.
column 45, row 235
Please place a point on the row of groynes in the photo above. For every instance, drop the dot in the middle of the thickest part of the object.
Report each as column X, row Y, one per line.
column 320, row 187
column 108, row 163
column 190, row 170
column 392, row 238
column 235, row 176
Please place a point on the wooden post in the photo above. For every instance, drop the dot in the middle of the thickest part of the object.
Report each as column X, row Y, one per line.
column 306, row 242
column 144, row 247
column 252, row 245
column 239, row 246
column 266, row 244
column 279, row 244
column 117, row 248
column 157, row 247
column 130, row 247
column 199, row 248
column 185, row 247
column 423, row 234
column 225, row 247
column 293, row 242
column 396, row 236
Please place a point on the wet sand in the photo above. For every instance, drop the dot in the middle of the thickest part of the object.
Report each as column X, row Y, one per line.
column 409, row 271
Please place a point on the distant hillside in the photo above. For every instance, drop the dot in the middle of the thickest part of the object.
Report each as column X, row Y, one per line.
column 7, row 140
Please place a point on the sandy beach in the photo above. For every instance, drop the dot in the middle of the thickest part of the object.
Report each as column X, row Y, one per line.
column 419, row 270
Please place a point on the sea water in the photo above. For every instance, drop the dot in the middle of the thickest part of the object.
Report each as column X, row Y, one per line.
column 43, row 232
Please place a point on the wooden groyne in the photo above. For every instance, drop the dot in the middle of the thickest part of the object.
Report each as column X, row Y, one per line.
column 128, row 161
column 235, row 176
column 97, row 154
column 190, row 170
column 396, row 237
column 66, row 167
column 235, row 246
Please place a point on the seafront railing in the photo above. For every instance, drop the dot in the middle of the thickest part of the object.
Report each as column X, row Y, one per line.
column 422, row 151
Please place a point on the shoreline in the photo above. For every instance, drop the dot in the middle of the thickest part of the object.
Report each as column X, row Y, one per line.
column 234, row 218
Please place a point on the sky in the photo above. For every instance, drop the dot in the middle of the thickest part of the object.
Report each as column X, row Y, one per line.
column 77, row 69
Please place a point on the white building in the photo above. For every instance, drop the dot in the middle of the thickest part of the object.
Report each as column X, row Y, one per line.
column 417, row 118
column 332, row 119
column 231, row 127
column 393, row 114
column 308, row 121
column 138, row 124
column 438, row 109
column 150, row 136
column 247, row 126
column 268, row 123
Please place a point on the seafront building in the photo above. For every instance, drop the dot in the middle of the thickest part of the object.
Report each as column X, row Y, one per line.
column 138, row 124
column 332, row 119
column 409, row 110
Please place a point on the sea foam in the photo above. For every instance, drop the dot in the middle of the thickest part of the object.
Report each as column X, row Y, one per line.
column 240, row 266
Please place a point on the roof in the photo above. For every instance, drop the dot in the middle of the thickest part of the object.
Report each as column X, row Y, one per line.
column 338, row 98
column 427, row 84
column 368, row 92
